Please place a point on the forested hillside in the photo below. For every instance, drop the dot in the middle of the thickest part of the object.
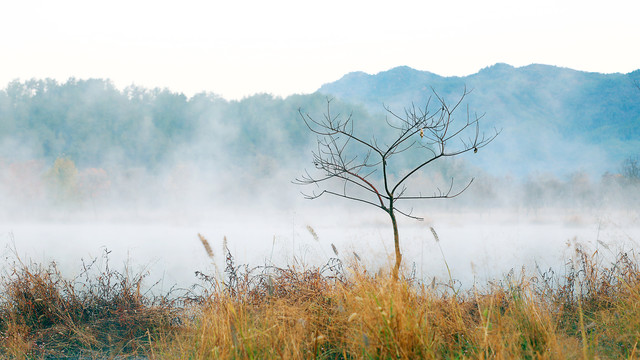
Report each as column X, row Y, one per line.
column 92, row 122
column 552, row 119
column 85, row 141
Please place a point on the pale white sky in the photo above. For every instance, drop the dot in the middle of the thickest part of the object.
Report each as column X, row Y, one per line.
column 237, row 48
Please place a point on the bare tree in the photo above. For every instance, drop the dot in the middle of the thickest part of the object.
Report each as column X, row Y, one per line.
column 362, row 167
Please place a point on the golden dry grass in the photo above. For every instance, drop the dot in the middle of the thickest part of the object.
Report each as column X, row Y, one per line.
column 334, row 312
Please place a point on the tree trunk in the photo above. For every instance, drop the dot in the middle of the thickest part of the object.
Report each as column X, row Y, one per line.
column 396, row 241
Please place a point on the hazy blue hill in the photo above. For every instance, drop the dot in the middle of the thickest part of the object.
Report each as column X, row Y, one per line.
column 554, row 119
column 392, row 88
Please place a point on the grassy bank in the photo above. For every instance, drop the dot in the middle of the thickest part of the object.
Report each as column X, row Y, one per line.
column 338, row 311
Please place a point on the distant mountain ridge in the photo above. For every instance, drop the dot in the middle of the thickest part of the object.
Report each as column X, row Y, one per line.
column 553, row 119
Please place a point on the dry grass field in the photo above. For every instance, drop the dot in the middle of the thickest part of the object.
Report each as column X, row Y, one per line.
column 336, row 311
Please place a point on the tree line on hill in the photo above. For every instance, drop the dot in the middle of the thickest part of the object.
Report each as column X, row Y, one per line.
column 85, row 140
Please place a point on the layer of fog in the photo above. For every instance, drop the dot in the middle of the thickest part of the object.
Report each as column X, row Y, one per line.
column 150, row 221
column 477, row 247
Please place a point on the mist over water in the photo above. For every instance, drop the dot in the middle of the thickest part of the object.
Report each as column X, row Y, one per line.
column 159, row 235
column 150, row 221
